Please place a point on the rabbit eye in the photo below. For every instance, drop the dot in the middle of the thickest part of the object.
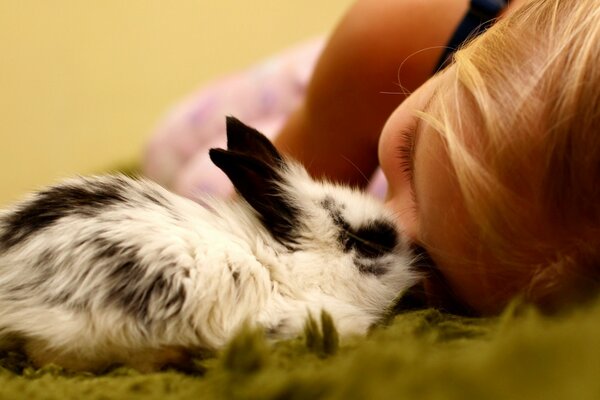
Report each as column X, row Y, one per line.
column 373, row 240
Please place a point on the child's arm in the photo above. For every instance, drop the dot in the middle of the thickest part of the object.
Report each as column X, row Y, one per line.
column 355, row 87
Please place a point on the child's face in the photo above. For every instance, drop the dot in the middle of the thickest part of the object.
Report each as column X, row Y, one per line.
column 431, row 208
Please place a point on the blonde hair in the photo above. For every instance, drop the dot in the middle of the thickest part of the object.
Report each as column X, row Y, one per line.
column 531, row 178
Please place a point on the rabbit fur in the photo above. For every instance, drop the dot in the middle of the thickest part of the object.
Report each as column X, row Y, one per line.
column 111, row 270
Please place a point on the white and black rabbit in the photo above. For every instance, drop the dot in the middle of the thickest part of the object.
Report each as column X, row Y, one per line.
column 111, row 270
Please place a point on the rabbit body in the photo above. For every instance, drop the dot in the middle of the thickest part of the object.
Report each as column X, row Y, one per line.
column 111, row 270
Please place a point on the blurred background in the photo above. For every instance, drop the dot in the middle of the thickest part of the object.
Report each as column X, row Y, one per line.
column 83, row 83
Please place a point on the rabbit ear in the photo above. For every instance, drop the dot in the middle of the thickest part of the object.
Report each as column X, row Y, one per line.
column 246, row 140
column 252, row 164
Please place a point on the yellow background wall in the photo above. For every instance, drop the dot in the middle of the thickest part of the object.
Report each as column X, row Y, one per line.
column 82, row 82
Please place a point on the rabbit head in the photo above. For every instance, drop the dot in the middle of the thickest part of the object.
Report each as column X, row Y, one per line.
column 336, row 242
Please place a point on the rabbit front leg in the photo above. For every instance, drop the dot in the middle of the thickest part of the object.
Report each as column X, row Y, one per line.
column 228, row 293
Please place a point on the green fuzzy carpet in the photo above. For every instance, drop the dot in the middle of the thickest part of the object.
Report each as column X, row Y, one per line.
column 419, row 355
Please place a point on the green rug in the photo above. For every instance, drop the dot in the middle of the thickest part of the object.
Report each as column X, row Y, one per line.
column 419, row 355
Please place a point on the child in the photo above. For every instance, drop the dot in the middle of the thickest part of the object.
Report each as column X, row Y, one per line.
column 353, row 89
column 493, row 164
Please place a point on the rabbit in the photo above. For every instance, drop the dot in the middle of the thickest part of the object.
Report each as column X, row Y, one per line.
column 110, row 270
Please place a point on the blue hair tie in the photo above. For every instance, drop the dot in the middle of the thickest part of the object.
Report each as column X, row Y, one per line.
column 479, row 18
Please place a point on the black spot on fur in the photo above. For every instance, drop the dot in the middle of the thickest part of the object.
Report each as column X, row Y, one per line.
column 132, row 289
column 107, row 250
column 131, row 286
column 155, row 198
column 373, row 240
column 234, row 274
column 176, row 300
column 25, row 290
column 336, row 215
column 57, row 202
column 370, row 268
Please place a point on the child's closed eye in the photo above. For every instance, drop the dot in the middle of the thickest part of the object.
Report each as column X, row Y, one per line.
column 405, row 152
